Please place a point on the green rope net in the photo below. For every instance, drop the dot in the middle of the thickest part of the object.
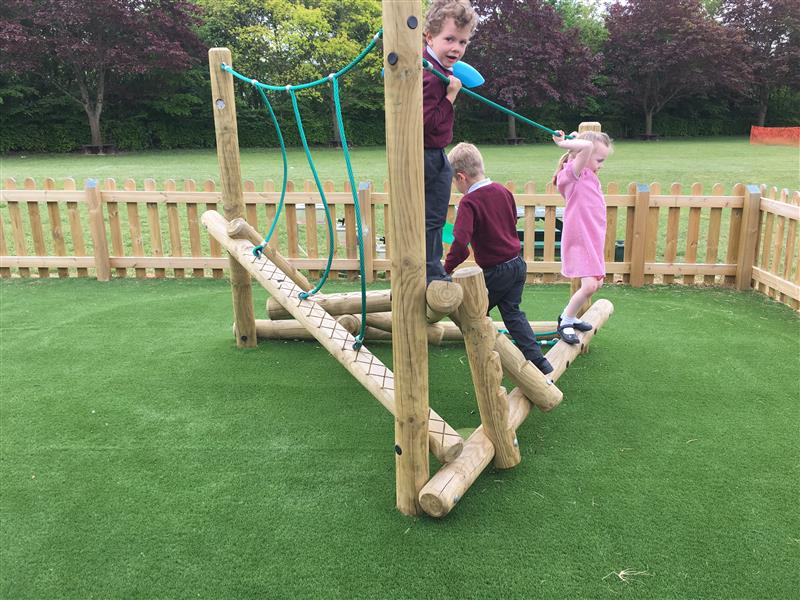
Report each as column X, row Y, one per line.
column 333, row 79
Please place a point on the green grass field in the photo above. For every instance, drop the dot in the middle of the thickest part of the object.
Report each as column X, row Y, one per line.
column 143, row 456
column 708, row 161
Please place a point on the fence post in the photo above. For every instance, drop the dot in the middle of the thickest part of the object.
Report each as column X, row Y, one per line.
column 640, row 209
column 368, row 235
column 97, row 228
column 748, row 237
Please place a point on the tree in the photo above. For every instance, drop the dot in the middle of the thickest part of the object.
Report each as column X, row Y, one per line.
column 660, row 50
column 522, row 64
column 295, row 41
column 85, row 47
column 771, row 29
column 586, row 17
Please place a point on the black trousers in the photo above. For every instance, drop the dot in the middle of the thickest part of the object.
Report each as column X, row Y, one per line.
column 505, row 283
column 438, row 182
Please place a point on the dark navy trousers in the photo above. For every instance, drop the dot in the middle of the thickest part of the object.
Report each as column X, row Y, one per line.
column 505, row 283
column 438, row 182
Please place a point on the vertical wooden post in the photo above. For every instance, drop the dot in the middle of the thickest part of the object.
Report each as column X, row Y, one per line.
column 224, row 106
column 641, row 208
column 402, row 49
column 748, row 237
column 484, row 364
column 97, row 228
column 575, row 283
column 368, row 231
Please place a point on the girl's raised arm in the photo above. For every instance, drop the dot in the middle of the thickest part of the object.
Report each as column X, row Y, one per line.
column 581, row 149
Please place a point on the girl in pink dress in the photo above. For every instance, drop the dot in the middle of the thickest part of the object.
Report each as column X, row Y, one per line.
column 584, row 231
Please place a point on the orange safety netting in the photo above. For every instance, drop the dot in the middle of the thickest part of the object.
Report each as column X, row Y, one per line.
column 784, row 136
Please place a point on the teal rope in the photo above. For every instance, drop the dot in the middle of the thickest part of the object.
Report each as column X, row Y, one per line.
column 339, row 121
column 260, row 248
column 331, row 232
column 310, row 84
column 472, row 94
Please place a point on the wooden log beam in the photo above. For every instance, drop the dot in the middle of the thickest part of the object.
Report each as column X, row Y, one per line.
column 445, row 443
column 451, row 482
column 339, row 304
column 239, row 229
column 443, row 298
column 537, row 388
column 485, row 367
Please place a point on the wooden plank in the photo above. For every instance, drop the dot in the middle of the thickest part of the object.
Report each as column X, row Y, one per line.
column 714, row 229
column 5, row 272
column 56, row 228
column 292, row 241
column 174, row 226
column 310, row 215
column 114, row 224
column 780, row 209
column 694, row 269
column 612, row 224
column 629, row 223
column 154, row 224
column 693, row 233
column 250, row 208
column 529, row 230
column 35, row 225
column 367, row 230
column 51, row 262
column 549, row 250
column 671, row 240
column 75, row 226
column 328, row 188
column 639, row 238
column 135, row 228
column 193, row 222
column 17, row 228
column 651, row 237
column 791, row 241
column 697, row 201
column 214, row 247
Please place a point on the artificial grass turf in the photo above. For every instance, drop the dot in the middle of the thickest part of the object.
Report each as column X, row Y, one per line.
column 144, row 456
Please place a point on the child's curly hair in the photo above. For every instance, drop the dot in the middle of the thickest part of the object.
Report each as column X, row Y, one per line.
column 460, row 11
column 593, row 136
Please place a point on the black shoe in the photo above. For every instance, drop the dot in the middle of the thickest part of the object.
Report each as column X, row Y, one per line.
column 579, row 326
column 543, row 365
column 569, row 338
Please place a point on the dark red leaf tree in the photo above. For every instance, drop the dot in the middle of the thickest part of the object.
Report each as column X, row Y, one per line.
column 84, row 47
column 528, row 59
column 771, row 29
column 661, row 50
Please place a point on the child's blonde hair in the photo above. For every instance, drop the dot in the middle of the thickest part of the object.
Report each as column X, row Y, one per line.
column 466, row 158
column 596, row 137
column 460, row 11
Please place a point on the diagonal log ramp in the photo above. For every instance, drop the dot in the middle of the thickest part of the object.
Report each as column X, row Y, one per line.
column 448, row 485
column 445, row 443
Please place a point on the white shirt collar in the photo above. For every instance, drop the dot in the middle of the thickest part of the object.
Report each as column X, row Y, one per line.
column 479, row 184
column 436, row 58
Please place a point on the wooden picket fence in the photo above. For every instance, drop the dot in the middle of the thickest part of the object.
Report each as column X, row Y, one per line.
column 747, row 239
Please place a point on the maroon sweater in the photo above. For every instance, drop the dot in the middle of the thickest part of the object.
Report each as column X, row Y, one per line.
column 437, row 110
column 486, row 218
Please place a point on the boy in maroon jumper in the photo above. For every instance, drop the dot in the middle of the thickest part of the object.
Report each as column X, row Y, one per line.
column 487, row 219
column 448, row 26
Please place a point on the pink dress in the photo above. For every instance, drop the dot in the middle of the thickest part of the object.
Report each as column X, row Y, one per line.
column 584, row 232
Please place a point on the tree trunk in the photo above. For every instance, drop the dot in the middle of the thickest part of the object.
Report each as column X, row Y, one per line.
column 512, row 128
column 648, row 122
column 337, row 139
column 94, row 126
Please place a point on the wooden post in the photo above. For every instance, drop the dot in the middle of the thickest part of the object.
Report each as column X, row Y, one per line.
column 484, row 363
column 641, row 208
column 402, row 49
column 97, row 227
column 224, row 106
column 748, row 237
